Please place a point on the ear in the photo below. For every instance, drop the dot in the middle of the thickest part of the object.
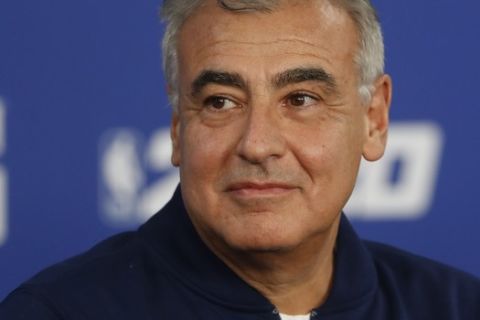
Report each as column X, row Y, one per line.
column 175, row 137
column 377, row 119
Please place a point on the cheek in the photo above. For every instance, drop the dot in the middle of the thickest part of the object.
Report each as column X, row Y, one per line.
column 329, row 154
column 316, row 145
column 331, row 160
column 203, row 151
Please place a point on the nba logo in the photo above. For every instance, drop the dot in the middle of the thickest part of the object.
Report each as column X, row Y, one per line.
column 136, row 177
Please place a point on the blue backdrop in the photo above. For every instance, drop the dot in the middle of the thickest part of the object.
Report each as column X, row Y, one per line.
column 84, row 149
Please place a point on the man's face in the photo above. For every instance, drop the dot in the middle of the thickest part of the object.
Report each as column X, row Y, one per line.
column 270, row 128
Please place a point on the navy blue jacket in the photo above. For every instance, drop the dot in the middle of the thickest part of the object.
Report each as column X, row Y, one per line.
column 164, row 271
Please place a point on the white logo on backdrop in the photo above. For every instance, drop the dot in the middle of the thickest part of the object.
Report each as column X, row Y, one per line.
column 402, row 184
column 3, row 175
column 137, row 178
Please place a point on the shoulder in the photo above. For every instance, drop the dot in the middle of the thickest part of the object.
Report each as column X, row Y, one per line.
column 105, row 260
column 420, row 281
column 412, row 265
column 111, row 272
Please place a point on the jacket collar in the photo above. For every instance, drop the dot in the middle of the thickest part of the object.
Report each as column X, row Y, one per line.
column 181, row 251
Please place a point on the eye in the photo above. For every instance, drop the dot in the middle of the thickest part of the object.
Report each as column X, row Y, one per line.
column 219, row 103
column 301, row 100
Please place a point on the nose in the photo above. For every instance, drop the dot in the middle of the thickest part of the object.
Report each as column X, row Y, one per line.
column 262, row 137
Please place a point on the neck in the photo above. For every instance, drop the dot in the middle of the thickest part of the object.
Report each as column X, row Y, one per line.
column 297, row 280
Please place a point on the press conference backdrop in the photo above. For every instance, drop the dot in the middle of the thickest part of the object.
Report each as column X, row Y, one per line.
column 84, row 145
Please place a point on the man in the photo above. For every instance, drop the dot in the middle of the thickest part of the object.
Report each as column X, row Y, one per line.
column 275, row 103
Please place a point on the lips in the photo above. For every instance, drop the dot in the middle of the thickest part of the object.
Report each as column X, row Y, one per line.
column 255, row 189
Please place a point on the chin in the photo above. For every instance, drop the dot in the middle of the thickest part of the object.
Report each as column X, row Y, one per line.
column 263, row 242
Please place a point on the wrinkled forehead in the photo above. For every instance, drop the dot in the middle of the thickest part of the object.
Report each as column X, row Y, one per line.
column 308, row 28
column 211, row 18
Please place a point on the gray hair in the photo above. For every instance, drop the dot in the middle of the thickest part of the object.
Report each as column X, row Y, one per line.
column 369, row 58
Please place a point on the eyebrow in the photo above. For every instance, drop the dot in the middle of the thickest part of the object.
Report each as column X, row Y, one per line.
column 298, row 75
column 283, row 79
column 217, row 77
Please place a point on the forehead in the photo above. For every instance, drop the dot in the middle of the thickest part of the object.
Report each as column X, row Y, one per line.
column 306, row 32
